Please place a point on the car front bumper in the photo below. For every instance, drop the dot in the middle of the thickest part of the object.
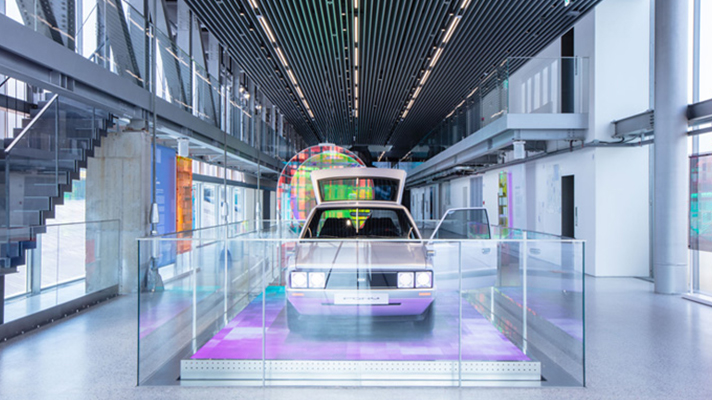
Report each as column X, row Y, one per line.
column 373, row 303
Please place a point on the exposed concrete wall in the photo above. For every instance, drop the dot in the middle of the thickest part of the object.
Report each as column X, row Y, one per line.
column 119, row 187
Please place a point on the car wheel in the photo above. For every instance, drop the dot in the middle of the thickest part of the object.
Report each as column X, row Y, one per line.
column 428, row 322
column 293, row 322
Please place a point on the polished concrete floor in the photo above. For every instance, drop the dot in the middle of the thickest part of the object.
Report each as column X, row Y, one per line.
column 640, row 346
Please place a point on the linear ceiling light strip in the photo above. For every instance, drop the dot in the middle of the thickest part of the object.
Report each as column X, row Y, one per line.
column 433, row 61
column 273, row 40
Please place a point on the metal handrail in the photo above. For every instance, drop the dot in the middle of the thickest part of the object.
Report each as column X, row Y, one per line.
column 27, row 128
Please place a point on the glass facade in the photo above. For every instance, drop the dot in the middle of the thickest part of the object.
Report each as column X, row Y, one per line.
column 701, row 152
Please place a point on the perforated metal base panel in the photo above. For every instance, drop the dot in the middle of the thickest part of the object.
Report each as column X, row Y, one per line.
column 379, row 373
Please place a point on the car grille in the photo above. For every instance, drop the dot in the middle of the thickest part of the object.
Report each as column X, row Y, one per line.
column 361, row 280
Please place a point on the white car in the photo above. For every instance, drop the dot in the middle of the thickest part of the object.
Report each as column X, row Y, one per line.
column 360, row 254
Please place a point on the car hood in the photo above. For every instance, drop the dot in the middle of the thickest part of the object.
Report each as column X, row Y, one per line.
column 352, row 254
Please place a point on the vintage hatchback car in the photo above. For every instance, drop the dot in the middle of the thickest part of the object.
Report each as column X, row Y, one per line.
column 360, row 254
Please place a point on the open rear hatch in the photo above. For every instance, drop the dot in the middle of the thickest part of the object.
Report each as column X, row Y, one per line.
column 358, row 184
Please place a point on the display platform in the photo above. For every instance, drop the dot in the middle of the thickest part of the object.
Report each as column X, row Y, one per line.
column 358, row 350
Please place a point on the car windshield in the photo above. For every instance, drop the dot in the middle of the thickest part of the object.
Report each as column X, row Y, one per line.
column 351, row 223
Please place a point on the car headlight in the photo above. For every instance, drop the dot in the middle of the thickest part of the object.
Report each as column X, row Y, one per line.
column 424, row 279
column 298, row 280
column 317, row 280
column 405, row 280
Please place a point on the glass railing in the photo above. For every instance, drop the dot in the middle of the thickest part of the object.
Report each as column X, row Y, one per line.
column 87, row 263
column 117, row 36
column 519, row 85
column 262, row 308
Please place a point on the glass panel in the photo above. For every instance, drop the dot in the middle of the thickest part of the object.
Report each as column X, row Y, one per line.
column 260, row 308
column 16, row 284
column 340, row 223
column 469, row 223
column 359, row 189
column 701, row 203
column 88, row 262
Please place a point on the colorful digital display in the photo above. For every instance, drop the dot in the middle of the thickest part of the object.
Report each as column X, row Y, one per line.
column 701, row 202
column 166, row 199
column 184, row 199
column 504, row 199
column 295, row 194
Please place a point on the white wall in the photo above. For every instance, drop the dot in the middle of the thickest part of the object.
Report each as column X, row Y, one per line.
column 534, row 87
column 622, row 63
column 622, row 221
column 460, row 192
column 538, row 186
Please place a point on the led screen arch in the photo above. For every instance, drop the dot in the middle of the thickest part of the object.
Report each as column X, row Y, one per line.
column 295, row 194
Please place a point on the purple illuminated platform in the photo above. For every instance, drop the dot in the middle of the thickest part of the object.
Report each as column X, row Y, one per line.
column 241, row 339
column 359, row 349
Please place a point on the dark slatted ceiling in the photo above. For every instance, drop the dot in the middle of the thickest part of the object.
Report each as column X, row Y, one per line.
column 396, row 40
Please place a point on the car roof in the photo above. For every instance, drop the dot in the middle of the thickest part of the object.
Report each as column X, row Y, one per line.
column 359, row 204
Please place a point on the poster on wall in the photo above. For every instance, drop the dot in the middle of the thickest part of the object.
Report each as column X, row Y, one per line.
column 166, row 200
column 701, row 202
column 184, row 199
column 504, row 199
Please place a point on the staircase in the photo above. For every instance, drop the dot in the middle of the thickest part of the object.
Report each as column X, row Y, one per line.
column 37, row 168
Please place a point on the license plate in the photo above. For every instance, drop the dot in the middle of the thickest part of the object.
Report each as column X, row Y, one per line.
column 361, row 298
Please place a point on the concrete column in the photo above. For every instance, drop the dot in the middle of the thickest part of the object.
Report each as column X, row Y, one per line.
column 119, row 187
column 671, row 170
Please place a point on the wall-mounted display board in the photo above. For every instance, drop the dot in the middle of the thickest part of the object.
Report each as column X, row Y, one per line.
column 184, row 199
column 166, row 199
column 504, row 200
column 701, row 202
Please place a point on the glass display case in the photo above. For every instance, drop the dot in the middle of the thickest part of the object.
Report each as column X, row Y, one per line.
column 505, row 310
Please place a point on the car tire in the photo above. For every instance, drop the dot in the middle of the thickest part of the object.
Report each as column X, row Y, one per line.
column 428, row 322
column 293, row 322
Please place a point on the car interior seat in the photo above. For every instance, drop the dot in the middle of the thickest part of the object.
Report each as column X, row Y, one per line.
column 338, row 228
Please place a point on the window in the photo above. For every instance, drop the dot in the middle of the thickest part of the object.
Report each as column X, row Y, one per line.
column 344, row 223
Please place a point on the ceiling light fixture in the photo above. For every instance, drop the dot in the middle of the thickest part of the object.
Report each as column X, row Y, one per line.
column 291, row 77
column 273, row 39
column 436, row 57
column 253, row 3
column 451, row 29
column 356, row 30
column 282, row 59
column 267, row 29
column 299, row 92
column 438, row 52
column 425, row 77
